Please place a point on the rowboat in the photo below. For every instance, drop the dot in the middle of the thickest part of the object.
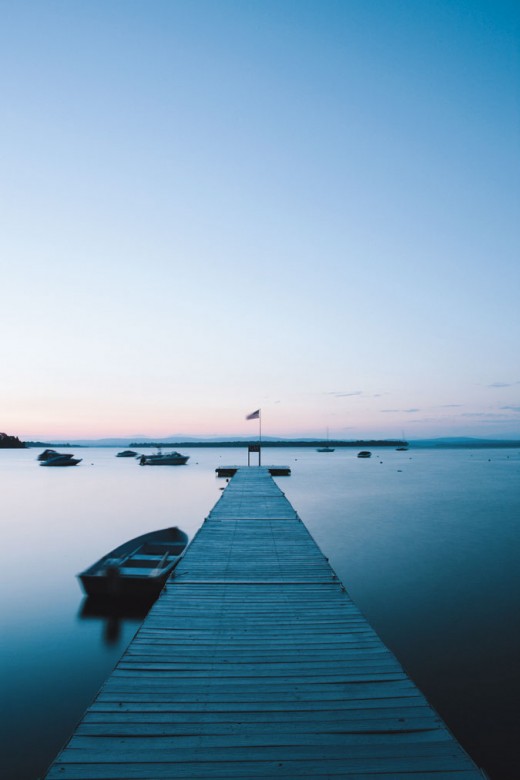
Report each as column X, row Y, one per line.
column 138, row 568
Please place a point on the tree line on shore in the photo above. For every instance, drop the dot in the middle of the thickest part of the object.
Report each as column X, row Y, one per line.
column 11, row 442
column 275, row 443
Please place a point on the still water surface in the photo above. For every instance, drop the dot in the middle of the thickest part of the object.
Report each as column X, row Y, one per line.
column 426, row 541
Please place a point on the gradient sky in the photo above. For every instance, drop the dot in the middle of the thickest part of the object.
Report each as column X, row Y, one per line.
column 308, row 206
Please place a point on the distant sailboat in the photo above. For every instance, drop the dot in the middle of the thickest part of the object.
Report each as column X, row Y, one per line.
column 404, row 446
column 327, row 447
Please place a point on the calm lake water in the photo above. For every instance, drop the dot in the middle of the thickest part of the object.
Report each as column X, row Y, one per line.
column 427, row 543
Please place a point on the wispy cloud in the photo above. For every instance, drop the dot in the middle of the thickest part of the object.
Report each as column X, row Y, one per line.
column 342, row 394
column 352, row 393
column 450, row 406
column 503, row 384
column 491, row 416
column 497, row 420
column 400, row 411
column 511, row 408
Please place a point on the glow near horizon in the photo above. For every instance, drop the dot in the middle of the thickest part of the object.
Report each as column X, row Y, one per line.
column 308, row 207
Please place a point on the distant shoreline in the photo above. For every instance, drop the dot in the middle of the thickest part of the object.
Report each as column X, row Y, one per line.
column 268, row 443
column 305, row 443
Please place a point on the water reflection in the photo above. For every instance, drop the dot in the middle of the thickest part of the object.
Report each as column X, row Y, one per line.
column 112, row 614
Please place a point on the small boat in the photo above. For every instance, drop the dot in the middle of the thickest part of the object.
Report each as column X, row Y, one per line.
column 326, row 447
column 364, row 454
column 61, row 460
column 164, row 459
column 404, row 446
column 126, row 454
column 138, row 568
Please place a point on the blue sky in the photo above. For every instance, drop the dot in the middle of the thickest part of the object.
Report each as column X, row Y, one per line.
column 310, row 207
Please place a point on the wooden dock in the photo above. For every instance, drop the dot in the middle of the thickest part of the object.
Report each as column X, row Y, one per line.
column 255, row 663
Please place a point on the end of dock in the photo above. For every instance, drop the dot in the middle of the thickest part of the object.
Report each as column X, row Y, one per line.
column 274, row 471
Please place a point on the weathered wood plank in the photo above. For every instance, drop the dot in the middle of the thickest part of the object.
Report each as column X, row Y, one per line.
column 161, row 749
column 358, row 712
column 317, row 770
column 161, row 702
column 236, row 737
column 152, row 723
column 225, row 702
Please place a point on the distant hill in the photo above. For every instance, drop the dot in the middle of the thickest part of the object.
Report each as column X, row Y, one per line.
column 222, row 441
column 465, row 442
column 48, row 444
column 271, row 441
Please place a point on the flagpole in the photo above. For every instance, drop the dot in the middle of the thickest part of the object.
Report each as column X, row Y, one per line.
column 256, row 415
column 260, row 438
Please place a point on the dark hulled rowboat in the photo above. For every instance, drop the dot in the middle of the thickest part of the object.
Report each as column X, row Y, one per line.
column 138, row 568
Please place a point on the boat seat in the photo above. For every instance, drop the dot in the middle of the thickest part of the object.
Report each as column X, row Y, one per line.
column 143, row 571
column 151, row 563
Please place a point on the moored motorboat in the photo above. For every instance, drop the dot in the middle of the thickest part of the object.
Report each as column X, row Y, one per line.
column 126, row 454
column 164, row 459
column 138, row 568
column 364, row 454
column 61, row 460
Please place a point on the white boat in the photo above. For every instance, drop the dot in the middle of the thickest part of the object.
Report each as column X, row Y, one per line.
column 164, row 459
column 138, row 568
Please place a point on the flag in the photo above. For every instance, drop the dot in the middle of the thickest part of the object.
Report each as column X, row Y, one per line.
column 254, row 415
